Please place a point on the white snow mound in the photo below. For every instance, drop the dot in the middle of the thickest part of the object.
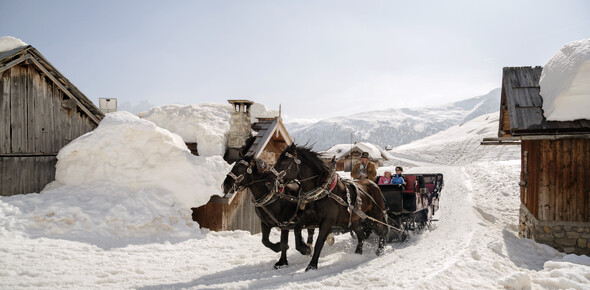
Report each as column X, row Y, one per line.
column 565, row 83
column 135, row 153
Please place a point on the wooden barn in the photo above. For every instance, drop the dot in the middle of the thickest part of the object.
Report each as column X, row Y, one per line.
column 40, row 112
column 236, row 211
column 555, row 161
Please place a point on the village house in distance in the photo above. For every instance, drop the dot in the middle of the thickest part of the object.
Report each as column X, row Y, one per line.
column 346, row 155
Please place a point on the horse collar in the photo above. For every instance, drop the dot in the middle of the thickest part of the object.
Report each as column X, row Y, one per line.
column 334, row 182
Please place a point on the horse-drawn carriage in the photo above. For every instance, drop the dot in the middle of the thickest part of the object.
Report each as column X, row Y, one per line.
column 412, row 206
column 302, row 191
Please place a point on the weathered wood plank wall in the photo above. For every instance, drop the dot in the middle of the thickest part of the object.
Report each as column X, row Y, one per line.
column 34, row 126
column 240, row 214
column 26, row 174
column 558, row 187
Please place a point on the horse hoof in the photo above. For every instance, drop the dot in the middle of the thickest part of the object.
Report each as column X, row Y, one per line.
column 379, row 252
column 358, row 251
column 330, row 239
column 310, row 267
column 279, row 265
column 305, row 250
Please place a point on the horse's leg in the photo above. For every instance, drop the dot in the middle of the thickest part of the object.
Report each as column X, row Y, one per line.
column 265, row 229
column 303, row 248
column 325, row 228
column 310, row 233
column 360, row 236
column 284, row 247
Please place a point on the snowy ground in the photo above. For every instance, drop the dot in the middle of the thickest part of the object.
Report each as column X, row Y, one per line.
column 474, row 244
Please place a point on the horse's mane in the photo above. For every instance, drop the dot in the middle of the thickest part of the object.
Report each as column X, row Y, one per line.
column 312, row 159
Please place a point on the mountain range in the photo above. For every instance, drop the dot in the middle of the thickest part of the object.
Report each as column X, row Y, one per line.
column 393, row 126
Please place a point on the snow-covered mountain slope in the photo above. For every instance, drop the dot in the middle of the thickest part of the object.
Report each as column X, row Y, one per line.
column 394, row 126
column 458, row 145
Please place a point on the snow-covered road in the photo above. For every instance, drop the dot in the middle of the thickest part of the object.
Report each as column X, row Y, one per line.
column 473, row 245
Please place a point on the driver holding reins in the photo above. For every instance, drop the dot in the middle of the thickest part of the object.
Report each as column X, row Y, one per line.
column 364, row 168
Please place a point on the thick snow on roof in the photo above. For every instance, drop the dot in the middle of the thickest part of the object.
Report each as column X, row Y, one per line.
column 204, row 124
column 340, row 150
column 565, row 83
column 9, row 43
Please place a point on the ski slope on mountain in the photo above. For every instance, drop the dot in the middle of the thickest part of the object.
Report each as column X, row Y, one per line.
column 393, row 126
column 473, row 245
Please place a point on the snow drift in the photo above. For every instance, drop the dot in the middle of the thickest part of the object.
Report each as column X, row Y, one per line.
column 137, row 154
column 565, row 83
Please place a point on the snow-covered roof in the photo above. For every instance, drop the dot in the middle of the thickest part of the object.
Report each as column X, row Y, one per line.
column 341, row 150
column 521, row 107
column 8, row 43
column 565, row 83
column 204, row 124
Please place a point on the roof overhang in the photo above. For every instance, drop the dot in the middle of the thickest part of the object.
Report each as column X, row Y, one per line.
column 516, row 140
column 30, row 55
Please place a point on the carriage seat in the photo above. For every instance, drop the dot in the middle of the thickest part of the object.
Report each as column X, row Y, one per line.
column 411, row 181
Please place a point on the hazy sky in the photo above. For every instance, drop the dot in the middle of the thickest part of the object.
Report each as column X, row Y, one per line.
column 316, row 58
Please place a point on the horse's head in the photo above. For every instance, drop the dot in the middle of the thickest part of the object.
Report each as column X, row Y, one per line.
column 287, row 165
column 303, row 164
column 243, row 173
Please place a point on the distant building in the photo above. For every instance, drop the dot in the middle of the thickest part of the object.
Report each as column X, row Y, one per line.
column 555, row 158
column 346, row 155
column 40, row 112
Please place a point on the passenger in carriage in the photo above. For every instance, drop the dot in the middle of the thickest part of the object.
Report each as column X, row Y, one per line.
column 398, row 178
column 364, row 169
column 386, row 178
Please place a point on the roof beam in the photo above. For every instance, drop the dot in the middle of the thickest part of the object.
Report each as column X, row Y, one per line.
column 64, row 89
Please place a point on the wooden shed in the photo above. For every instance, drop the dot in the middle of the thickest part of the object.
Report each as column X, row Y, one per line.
column 40, row 112
column 236, row 211
column 555, row 161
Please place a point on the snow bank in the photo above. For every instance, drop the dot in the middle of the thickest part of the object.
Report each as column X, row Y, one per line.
column 565, row 83
column 204, row 124
column 137, row 154
column 9, row 43
column 99, row 213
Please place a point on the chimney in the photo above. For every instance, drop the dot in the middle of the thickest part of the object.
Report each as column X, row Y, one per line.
column 240, row 128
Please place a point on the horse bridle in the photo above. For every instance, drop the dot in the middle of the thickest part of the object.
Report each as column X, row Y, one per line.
column 283, row 172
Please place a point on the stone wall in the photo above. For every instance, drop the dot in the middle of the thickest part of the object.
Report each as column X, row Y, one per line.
column 567, row 237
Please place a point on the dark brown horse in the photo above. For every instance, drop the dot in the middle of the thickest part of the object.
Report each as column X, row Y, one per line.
column 274, row 208
column 331, row 201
